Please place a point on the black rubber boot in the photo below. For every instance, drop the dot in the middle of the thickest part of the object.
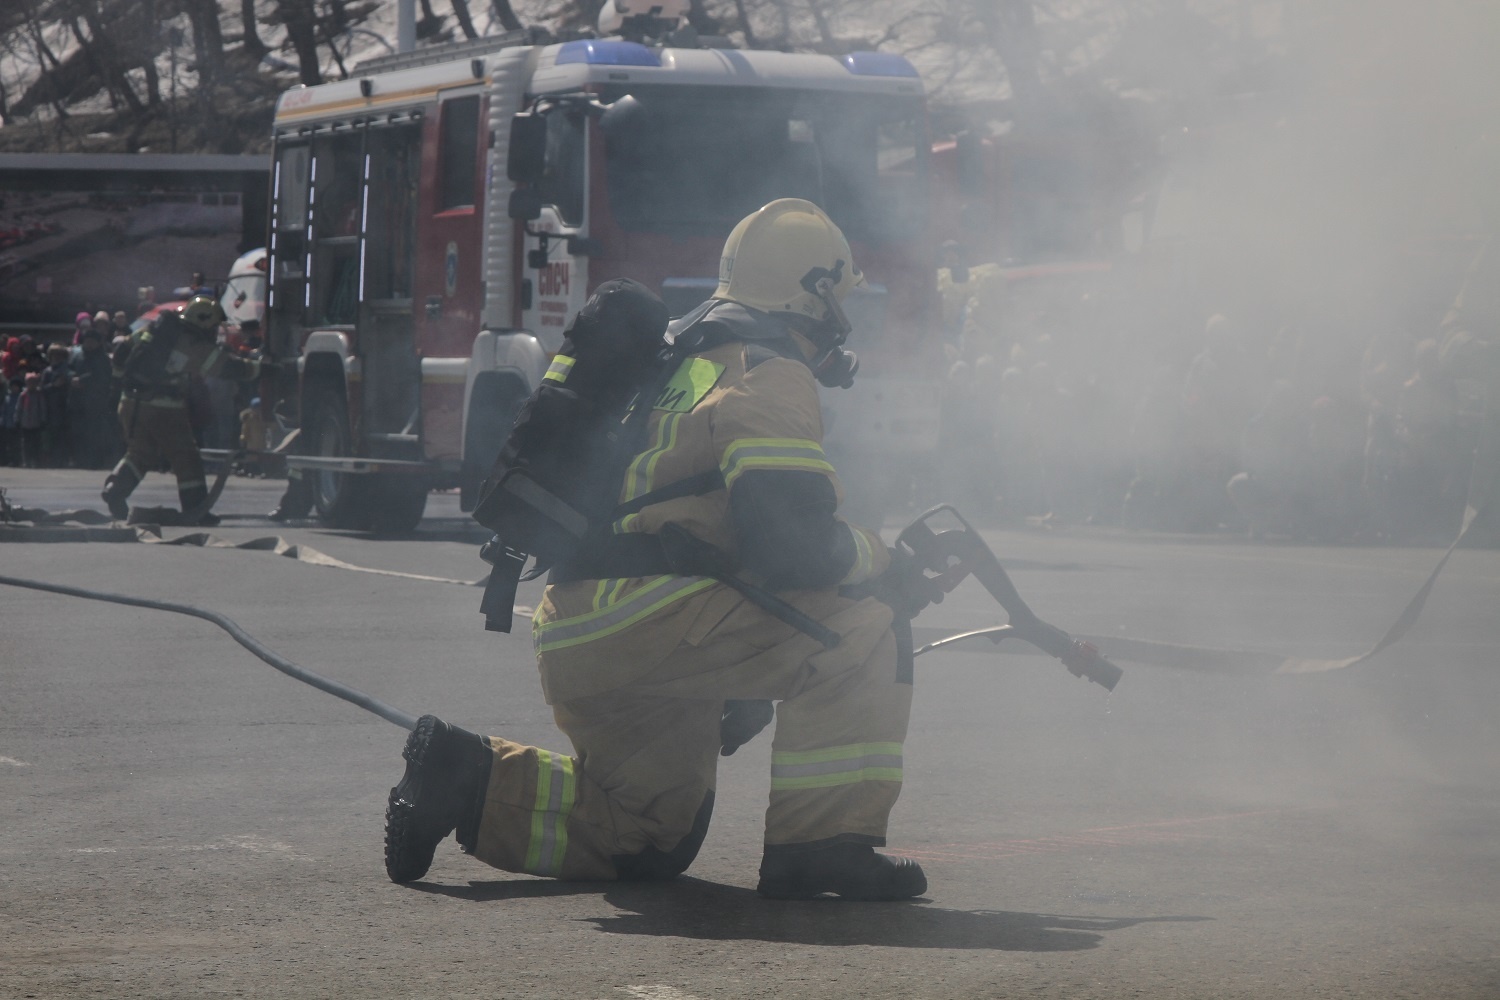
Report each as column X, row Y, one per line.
column 853, row 871
column 296, row 499
column 117, row 487
column 194, row 498
column 443, row 790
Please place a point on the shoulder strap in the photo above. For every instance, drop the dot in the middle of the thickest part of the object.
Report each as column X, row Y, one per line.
column 759, row 352
column 693, row 334
column 718, row 321
column 696, row 485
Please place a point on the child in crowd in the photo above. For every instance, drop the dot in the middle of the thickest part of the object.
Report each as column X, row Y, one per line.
column 57, row 377
column 10, row 433
column 31, row 418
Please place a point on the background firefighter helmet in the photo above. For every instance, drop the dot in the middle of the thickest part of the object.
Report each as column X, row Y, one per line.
column 772, row 252
column 202, row 312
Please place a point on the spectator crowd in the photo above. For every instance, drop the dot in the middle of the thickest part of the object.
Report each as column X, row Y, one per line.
column 59, row 401
column 1064, row 402
column 1068, row 402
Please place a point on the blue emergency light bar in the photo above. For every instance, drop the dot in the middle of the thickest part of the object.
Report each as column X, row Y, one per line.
column 607, row 52
column 879, row 64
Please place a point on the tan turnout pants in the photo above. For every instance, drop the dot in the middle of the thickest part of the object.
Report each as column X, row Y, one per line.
column 633, row 800
column 159, row 431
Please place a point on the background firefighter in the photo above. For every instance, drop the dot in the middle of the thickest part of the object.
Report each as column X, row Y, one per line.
column 650, row 668
column 155, row 366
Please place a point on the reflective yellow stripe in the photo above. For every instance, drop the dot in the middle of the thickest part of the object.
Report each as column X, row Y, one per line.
column 830, row 766
column 688, row 385
column 864, row 557
column 608, row 620
column 556, row 791
column 635, row 474
column 559, row 369
column 607, row 593
column 772, row 453
column 642, row 472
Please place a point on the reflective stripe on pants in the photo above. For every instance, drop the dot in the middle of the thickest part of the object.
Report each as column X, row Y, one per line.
column 646, row 747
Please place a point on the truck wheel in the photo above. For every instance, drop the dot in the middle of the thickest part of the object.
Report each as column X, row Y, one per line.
column 395, row 503
column 336, row 495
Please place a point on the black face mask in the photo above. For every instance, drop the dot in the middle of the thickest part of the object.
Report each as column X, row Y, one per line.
column 835, row 367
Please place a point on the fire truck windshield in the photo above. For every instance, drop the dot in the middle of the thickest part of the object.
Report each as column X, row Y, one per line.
column 694, row 161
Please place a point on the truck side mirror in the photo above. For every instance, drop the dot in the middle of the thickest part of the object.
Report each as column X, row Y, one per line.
column 525, row 205
column 526, row 159
column 621, row 118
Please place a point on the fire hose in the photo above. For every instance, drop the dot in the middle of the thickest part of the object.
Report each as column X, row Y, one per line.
column 952, row 554
column 239, row 635
column 956, row 553
column 934, row 551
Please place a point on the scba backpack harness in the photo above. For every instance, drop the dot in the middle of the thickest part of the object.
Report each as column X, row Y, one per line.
column 555, row 481
column 153, row 360
column 552, row 494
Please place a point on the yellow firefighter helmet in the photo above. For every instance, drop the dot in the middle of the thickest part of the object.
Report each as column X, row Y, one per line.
column 202, row 312
column 776, row 256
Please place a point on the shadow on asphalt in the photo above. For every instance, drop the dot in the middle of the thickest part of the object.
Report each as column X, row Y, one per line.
column 693, row 908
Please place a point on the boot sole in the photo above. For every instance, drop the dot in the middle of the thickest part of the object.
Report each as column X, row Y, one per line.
column 899, row 884
column 406, row 862
column 782, row 892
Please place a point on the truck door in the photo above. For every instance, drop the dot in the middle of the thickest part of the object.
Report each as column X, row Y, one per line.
column 448, row 287
column 391, row 373
column 553, row 292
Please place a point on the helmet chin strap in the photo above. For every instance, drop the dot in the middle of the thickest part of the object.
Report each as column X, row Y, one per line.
column 835, row 367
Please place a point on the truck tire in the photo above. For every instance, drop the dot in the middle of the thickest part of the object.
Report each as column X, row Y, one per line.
column 395, row 503
column 337, row 496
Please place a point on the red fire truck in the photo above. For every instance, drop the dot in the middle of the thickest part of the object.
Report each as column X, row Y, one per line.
column 438, row 217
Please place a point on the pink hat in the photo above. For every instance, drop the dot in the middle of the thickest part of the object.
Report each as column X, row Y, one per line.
column 82, row 317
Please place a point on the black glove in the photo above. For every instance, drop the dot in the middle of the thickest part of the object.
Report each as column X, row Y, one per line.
column 741, row 722
column 905, row 587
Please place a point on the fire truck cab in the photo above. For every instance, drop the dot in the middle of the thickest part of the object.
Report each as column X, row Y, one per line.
column 426, row 253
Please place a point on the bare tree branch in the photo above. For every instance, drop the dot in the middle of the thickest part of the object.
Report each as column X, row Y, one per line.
column 502, row 12
column 465, row 22
column 746, row 28
column 251, row 43
column 300, row 19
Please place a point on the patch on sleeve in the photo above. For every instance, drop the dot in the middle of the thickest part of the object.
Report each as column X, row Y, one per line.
column 689, row 385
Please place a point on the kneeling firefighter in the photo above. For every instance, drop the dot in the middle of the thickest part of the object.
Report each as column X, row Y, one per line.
column 655, row 665
column 155, row 366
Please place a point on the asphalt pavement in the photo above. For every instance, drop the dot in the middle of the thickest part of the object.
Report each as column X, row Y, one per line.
column 183, row 821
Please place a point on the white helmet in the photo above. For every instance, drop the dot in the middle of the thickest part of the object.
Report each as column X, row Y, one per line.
column 776, row 259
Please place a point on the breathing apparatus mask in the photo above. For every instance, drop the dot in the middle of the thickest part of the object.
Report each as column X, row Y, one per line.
column 833, row 366
column 790, row 260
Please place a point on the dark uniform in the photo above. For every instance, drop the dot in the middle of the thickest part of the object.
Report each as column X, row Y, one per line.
column 156, row 365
